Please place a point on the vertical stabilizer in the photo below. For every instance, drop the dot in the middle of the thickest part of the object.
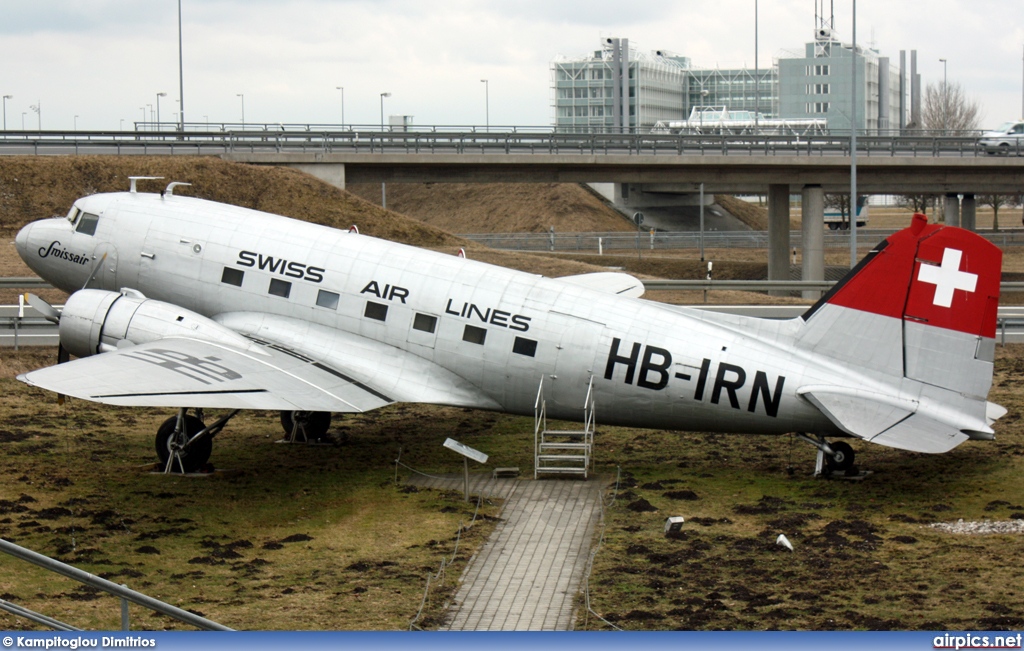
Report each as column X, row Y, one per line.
column 921, row 305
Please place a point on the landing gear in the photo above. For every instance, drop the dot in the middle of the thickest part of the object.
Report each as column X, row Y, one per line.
column 834, row 457
column 184, row 442
column 842, row 457
column 309, row 425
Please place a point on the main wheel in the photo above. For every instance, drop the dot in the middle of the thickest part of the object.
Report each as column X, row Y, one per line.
column 842, row 460
column 314, row 423
column 192, row 458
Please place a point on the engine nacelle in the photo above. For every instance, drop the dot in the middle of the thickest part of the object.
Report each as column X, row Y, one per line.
column 97, row 321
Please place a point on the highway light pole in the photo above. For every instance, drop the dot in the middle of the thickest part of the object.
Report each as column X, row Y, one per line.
column 158, row 96
column 242, row 95
column 342, row 89
column 383, row 188
column 181, row 76
column 487, row 103
column 757, row 75
column 853, row 146
column 6, row 97
column 945, row 99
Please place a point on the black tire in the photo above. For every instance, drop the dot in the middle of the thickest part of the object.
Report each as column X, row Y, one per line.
column 842, row 460
column 317, row 424
column 1004, row 149
column 197, row 454
column 833, row 226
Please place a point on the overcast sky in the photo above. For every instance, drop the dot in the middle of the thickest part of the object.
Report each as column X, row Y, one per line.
column 105, row 60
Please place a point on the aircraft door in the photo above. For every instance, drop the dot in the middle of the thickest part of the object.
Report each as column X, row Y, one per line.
column 577, row 360
column 169, row 266
column 106, row 274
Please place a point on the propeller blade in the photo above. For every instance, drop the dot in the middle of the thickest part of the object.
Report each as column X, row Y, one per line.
column 39, row 305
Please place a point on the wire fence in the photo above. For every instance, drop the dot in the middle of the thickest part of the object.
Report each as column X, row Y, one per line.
column 437, row 579
column 593, row 554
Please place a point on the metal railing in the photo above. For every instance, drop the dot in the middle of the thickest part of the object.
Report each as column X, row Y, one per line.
column 364, row 139
column 624, row 240
column 127, row 595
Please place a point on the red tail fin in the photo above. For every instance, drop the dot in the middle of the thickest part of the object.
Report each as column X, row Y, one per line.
column 922, row 304
column 928, row 273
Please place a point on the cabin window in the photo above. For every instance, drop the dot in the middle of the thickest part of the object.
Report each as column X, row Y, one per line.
column 474, row 335
column 377, row 311
column 424, row 322
column 232, row 276
column 327, row 299
column 87, row 223
column 524, row 346
column 280, row 288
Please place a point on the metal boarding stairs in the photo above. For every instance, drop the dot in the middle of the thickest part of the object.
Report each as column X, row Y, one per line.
column 563, row 452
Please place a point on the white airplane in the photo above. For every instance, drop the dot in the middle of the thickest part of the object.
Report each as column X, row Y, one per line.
column 192, row 304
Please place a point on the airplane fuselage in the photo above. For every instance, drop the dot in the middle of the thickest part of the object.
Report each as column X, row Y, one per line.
column 357, row 300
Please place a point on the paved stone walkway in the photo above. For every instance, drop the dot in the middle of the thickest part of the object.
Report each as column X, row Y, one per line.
column 527, row 576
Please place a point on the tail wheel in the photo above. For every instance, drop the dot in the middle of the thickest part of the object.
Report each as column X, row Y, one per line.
column 313, row 425
column 192, row 458
column 842, row 460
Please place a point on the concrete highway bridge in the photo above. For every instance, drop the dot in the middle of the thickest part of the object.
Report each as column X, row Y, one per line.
column 641, row 165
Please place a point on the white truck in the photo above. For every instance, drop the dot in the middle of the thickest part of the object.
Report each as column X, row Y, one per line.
column 835, row 220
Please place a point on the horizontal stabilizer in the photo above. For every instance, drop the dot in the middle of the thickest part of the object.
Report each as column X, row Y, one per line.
column 609, row 282
column 922, row 434
column 863, row 414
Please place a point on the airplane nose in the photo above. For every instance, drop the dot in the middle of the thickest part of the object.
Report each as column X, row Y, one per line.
column 22, row 240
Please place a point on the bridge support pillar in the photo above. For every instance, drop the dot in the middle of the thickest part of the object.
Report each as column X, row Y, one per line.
column 333, row 173
column 968, row 212
column 778, row 233
column 952, row 217
column 813, row 231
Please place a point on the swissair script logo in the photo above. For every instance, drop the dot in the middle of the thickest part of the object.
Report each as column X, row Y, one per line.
column 947, row 277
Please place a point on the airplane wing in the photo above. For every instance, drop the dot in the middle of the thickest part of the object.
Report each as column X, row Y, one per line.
column 178, row 371
column 609, row 282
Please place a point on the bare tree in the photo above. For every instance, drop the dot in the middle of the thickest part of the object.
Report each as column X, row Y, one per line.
column 996, row 201
column 840, row 202
column 916, row 202
column 946, row 108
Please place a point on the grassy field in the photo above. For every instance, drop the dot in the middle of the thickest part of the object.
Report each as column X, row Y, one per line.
column 298, row 537
column 864, row 557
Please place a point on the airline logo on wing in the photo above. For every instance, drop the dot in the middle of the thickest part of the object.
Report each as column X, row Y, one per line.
column 947, row 277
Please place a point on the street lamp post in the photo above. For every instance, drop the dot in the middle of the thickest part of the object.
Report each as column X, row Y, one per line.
column 757, row 74
column 945, row 99
column 242, row 95
column 487, row 103
column 158, row 96
column 76, row 123
column 383, row 188
column 23, row 114
column 342, row 89
column 6, row 97
column 853, row 144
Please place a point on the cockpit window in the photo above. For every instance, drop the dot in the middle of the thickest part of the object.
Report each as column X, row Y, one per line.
column 73, row 214
column 87, row 224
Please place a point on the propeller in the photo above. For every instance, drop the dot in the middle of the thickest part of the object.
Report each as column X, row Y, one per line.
column 50, row 313
column 40, row 305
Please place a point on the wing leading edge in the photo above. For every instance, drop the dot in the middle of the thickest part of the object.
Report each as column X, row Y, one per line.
column 178, row 371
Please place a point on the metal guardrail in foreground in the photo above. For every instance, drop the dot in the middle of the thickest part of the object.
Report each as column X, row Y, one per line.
column 94, row 581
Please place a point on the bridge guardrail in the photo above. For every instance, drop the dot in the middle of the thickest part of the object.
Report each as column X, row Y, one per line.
column 373, row 140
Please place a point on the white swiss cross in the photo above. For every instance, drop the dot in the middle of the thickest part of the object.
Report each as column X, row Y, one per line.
column 947, row 277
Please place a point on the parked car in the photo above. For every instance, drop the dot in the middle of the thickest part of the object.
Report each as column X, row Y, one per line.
column 1007, row 138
